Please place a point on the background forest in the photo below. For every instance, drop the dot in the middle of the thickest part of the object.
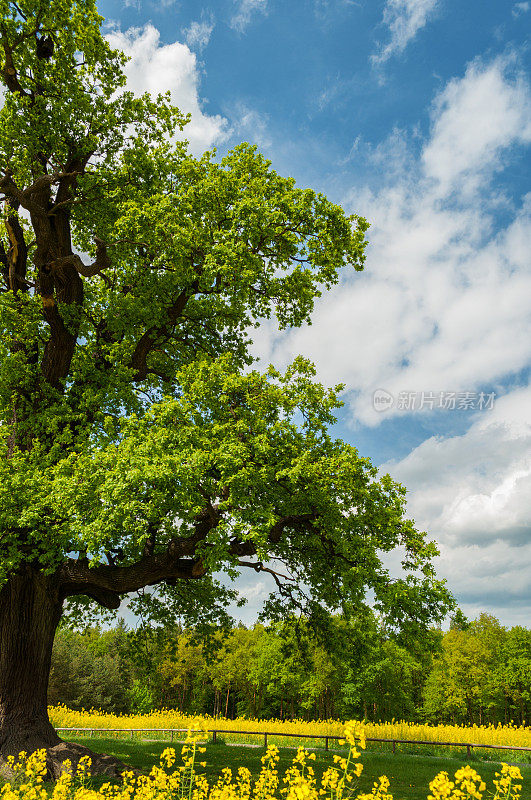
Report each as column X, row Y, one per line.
column 478, row 672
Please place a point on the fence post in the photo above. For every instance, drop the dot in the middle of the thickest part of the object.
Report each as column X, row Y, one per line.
column 265, row 741
column 213, row 737
column 172, row 734
column 468, row 751
column 394, row 746
column 326, row 742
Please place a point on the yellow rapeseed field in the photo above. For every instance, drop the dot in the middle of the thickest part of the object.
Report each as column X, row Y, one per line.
column 513, row 735
column 298, row 783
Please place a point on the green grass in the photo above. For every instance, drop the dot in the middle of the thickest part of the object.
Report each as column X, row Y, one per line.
column 409, row 774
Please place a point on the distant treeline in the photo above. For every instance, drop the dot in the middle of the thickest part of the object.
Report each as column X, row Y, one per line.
column 478, row 672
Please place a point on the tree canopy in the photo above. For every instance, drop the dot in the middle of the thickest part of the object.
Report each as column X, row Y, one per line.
column 138, row 446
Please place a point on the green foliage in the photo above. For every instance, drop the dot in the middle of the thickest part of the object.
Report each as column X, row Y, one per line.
column 40, row 124
column 132, row 432
column 483, row 674
column 88, row 672
column 140, row 698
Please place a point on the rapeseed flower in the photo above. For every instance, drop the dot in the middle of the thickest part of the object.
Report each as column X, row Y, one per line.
column 169, row 781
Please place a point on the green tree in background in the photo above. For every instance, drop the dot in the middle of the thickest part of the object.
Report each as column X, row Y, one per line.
column 380, row 673
column 183, row 675
column 481, row 675
column 136, row 447
column 514, row 674
column 86, row 677
column 283, row 671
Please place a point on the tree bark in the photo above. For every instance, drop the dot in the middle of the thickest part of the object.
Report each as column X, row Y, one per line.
column 30, row 610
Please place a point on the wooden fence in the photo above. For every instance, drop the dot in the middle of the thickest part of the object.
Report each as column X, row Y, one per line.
column 326, row 738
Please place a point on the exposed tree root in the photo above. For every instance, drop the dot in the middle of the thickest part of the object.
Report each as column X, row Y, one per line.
column 102, row 765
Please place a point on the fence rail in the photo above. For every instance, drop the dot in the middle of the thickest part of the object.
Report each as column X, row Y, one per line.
column 326, row 737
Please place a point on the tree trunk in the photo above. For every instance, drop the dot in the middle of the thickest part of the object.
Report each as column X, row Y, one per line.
column 227, row 702
column 30, row 610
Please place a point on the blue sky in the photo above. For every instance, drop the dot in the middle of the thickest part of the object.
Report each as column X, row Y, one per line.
column 417, row 115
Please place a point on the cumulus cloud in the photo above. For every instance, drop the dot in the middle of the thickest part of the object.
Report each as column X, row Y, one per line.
column 198, row 33
column 244, row 12
column 443, row 303
column 471, row 492
column 404, row 18
column 156, row 67
column 476, row 119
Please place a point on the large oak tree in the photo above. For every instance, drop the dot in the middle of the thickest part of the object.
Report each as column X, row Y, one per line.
column 137, row 447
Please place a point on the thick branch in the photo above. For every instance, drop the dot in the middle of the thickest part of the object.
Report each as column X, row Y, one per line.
column 17, row 255
column 67, row 181
column 60, row 347
column 26, row 197
column 23, row 197
column 152, row 336
column 105, row 583
column 9, row 71
column 102, row 262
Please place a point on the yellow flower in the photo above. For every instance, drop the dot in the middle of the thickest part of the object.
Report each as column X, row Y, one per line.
column 167, row 757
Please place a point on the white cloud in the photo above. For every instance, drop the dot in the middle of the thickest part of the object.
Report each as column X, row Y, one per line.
column 476, row 118
column 257, row 591
column 443, row 302
column 245, row 9
column 404, row 18
column 520, row 8
column 251, row 126
column 156, row 67
column 198, row 33
column 254, row 590
column 471, row 493
column 325, row 9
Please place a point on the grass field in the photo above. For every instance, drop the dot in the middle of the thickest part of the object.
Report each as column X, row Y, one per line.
column 433, row 748
column 409, row 774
